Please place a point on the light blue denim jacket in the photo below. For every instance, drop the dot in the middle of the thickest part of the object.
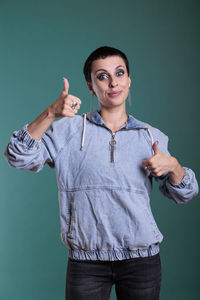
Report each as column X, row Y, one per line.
column 104, row 191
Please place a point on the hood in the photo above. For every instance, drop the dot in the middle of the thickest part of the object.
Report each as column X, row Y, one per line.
column 131, row 123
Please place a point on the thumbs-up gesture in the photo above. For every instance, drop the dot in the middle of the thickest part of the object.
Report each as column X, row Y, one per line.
column 66, row 105
column 159, row 163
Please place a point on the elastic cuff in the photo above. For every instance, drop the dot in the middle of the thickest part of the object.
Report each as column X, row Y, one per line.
column 24, row 137
column 183, row 182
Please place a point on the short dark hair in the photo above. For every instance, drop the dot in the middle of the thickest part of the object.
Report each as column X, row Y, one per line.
column 102, row 52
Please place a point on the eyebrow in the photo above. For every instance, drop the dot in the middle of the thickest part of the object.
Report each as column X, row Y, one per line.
column 106, row 70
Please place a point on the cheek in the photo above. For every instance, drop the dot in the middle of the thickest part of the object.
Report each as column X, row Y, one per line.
column 124, row 81
column 99, row 88
column 125, row 84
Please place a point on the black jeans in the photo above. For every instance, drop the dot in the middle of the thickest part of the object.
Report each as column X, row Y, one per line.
column 135, row 279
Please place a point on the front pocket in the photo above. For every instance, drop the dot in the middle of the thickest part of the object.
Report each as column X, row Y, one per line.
column 99, row 219
column 109, row 218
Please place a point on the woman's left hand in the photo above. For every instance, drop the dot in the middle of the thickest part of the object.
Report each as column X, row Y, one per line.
column 161, row 163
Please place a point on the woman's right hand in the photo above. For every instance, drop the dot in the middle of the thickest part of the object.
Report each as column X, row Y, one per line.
column 62, row 107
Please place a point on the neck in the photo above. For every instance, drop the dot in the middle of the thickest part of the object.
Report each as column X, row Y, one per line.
column 114, row 118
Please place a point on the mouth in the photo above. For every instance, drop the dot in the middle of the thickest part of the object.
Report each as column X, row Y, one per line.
column 114, row 94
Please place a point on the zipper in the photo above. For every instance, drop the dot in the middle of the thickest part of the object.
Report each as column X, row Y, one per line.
column 113, row 141
column 112, row 144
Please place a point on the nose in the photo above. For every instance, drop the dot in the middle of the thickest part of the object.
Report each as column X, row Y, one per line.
column 113, row 82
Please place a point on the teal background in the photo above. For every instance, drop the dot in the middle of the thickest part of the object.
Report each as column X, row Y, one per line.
column 42, row 41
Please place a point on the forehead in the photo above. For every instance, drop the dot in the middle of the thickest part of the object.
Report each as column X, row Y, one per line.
column 109, row 63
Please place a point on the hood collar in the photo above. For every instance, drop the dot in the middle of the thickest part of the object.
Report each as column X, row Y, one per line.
column 131, row 123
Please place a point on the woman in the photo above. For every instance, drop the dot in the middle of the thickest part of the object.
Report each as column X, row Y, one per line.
column 105, row 161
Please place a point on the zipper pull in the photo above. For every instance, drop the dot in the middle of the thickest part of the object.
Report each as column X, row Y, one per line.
column 112, row 144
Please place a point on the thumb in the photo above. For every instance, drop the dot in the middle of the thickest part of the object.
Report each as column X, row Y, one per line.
column 155, row 147
column 66, row 85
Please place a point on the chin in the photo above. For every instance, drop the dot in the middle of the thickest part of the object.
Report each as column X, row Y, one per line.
column 116, row 104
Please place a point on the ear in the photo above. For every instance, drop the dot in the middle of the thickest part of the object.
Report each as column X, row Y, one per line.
column 90, row 88
column 129, row 81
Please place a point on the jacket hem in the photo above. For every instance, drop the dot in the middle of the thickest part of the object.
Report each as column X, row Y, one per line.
column 112, row 255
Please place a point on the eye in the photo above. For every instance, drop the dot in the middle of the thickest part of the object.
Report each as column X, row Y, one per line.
column 120, row 72
column 102, row 76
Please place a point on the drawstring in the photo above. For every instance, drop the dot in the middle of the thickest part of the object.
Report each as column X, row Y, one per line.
column 151, row 136
column 83, row 134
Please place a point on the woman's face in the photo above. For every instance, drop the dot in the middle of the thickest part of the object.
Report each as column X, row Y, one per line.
column 110, row 81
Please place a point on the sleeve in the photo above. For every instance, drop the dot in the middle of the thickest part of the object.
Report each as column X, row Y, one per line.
column 185, row 190
column 24, row 152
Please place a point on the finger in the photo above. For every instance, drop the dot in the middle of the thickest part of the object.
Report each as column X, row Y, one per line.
column 157, row 172
column 70, row 109
column 67, row 113
column 78, row 106
column 66, row 85
column 153, row 174
column 71, row 115
column 146, row 167
column 75, row 99
column 155, row 148
column 145, row 162
column 75, row 104
column 74, row 110
column 70, row 99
